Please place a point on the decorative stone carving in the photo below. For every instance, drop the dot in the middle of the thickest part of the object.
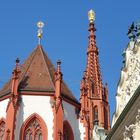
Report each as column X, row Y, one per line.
column 132, row 130
column 2, row 129
column 129, row 132
column 138, row 118
column 129, row 80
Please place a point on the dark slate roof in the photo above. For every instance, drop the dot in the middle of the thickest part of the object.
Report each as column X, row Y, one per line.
column 38, row 75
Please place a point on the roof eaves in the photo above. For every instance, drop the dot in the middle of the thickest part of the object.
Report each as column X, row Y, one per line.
column 5, row 93
column 36, row 90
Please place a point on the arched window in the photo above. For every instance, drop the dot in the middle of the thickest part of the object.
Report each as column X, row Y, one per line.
column 67, row 131
column 2, row 128
column 105, row 118
column 34, row 128
column 95, row 112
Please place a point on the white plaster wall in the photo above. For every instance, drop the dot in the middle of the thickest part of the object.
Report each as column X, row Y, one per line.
column 82, row 131
column 35, row 104
column 3, row 107
column 70, row 116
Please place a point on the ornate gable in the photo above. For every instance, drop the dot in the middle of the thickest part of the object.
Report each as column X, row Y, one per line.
column 130, row 76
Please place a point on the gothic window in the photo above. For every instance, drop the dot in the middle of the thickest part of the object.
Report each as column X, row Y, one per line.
column 105, row 118
column 28, row 135
column 95, row 111
column 67, row 131
column 38, row 135
column 2, row 129
column 34, row 129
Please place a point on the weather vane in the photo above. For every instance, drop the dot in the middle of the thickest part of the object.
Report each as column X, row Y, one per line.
column 91, row 16
column 40, row 25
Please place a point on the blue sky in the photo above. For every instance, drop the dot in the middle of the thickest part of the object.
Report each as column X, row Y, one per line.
column 66, row 36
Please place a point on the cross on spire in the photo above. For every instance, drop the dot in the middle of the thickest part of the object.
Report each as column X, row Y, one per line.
column 40, row 25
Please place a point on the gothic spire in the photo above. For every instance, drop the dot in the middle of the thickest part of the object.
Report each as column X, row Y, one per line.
column 92, row 68
column 94, row 96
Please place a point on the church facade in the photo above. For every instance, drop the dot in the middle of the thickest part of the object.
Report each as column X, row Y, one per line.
column 36, row 104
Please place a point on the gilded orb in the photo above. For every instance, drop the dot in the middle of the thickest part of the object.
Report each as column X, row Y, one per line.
column 40, row 24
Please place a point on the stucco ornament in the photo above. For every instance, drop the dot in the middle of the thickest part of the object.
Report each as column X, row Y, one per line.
column 129, row 132
column 132, row 131
column 129, row 79
column 138, row 118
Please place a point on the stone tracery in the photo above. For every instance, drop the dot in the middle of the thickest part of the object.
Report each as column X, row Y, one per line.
column 34, row 128
column 2, row 129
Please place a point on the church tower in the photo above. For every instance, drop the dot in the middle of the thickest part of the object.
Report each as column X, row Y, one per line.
column 94, row 96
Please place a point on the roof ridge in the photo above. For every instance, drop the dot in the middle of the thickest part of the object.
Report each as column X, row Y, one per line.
column 43, row 53
column 24, row 73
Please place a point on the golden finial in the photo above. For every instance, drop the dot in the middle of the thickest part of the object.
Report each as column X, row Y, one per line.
column 91, row 16
column 40, row 25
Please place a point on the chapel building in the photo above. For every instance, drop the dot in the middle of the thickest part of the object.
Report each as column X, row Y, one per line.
column 36, row 104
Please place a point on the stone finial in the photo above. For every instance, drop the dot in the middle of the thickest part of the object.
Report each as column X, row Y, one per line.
column 130, row 33
column 58, row 73
column 16, row 71
column 58, row 66
column 138, row 29
column 17, row 63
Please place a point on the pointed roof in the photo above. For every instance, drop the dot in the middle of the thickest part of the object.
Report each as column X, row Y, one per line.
column 38, row 75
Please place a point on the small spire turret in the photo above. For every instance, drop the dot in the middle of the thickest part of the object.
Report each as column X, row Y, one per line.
column 17, row 63
column 16, row 71
column 58, row 79
column 58, row 66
